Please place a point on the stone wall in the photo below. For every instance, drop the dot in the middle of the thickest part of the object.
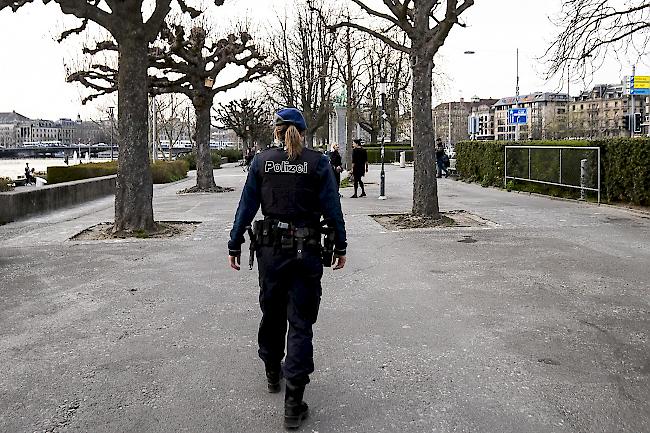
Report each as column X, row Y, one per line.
column 18, row 204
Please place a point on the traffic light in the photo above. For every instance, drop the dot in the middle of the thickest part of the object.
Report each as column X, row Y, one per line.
column 637, row 123
column 626, row 122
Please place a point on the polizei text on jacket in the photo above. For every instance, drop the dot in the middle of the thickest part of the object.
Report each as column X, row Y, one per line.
column 285, row 167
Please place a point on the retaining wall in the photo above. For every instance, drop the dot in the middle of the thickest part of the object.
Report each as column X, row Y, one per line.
column 18, row 204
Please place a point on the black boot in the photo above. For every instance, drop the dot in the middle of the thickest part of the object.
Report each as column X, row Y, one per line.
column 295, row 410
column 273, row 376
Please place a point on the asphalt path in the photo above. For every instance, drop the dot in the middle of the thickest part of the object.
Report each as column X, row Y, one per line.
column 539, row 323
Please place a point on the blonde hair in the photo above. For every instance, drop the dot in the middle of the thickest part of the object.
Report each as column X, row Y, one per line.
column 292, row 139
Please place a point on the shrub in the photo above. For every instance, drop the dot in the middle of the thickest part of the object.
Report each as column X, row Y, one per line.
column 390, row 154
column 81, row 171
column 625, row 167
column 233, row 155
column 162, row 171
column 169, row 171
column 5, row 184
column 190, row 158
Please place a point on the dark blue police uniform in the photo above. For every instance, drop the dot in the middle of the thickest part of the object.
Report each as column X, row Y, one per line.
column 297, row 193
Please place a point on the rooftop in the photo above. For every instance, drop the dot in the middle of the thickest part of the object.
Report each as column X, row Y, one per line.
column 12, row 117
column 533, row 97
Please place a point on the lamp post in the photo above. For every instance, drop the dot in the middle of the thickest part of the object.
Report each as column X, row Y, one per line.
column 471, row 52
column 110, row 112
column 382, row 185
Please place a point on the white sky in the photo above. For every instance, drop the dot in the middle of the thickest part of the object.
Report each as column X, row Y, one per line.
column 32, row 75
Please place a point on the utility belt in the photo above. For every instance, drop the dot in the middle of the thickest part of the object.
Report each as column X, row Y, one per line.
column 288, row 237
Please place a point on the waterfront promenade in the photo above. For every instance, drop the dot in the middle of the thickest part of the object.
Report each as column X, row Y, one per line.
column 538, row 324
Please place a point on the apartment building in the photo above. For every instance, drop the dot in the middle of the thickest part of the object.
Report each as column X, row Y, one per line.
column 450, row 119
column 547, row 116
column 599, row 112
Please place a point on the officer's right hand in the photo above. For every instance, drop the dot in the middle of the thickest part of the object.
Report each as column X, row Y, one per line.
column 338, row 262
column 234, row 262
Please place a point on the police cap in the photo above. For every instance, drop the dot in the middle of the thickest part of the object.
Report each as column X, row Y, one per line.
column 290, row 116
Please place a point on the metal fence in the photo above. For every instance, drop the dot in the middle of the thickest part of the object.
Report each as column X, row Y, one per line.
column 565, row 166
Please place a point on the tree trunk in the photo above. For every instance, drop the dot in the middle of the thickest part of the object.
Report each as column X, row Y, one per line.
column 204, row 170
column 374, row 138
column 309, row 139
column 425, row 187
column 393, row 131
column 350, row 123
column 134, row 188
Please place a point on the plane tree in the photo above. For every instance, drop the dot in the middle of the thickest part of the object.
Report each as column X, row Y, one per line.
column 305, row 74
column 192, row 64
column 426, row 24
column 590, row 30
column 133, row 31
column 248, row 118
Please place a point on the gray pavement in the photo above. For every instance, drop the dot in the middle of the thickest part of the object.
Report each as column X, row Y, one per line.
column 540, row 324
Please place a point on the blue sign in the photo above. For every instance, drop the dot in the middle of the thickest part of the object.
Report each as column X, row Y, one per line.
column 518, row 116
column 641, row 92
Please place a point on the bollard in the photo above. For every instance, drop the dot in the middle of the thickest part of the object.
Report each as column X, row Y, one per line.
column 402, row 160
column 583, row 178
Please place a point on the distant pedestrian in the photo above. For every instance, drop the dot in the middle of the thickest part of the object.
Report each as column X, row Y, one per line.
column 359, row 166
column 30, row 177
column 442, row 160
column 337, row 164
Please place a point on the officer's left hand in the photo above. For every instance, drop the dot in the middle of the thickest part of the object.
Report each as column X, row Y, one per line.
column 234, row 262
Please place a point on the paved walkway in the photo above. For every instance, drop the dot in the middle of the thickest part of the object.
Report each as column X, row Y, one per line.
column 538, row 325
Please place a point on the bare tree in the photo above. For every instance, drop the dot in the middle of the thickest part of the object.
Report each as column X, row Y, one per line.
column 248, row 118
column 305, row 74
column 426, row 25
column 349, row 59
column 590, row 30
column 173, row 120
column 133, row 33
column 193, row 63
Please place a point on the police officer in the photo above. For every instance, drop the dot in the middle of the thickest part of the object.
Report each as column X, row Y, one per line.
column 295, row 186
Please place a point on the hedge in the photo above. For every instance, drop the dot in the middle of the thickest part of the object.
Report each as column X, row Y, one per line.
column 169, row 171
column 233, row 155
column 391, row 154
column 81, row 171
column 161, row 171
column 190, row 158
column 625, row 167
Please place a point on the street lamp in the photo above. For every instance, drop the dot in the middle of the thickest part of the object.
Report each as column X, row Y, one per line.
column 382, row 185
column 470, row 52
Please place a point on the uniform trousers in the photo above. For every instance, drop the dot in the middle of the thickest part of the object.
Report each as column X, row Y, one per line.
column 290, row 293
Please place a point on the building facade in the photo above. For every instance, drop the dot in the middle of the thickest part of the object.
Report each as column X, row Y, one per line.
column 450, row 119
column 599, row 112
column 18, row 130
column 546, row 120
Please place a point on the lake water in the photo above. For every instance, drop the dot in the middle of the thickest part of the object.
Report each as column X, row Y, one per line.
column 16, row 167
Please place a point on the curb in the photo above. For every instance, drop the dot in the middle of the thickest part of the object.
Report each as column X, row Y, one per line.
column 640, row 212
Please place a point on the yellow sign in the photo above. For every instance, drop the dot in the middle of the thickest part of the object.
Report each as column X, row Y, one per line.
column 642, row 82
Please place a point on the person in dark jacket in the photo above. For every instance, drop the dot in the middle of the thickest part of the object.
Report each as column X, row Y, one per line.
column 359, row 166
column 294, row 186
column 441, row 159
column 337, row 164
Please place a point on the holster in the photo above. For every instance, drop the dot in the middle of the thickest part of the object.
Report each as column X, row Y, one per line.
column 285, row 236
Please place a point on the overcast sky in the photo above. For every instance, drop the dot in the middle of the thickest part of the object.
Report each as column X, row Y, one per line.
column 32, row 75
